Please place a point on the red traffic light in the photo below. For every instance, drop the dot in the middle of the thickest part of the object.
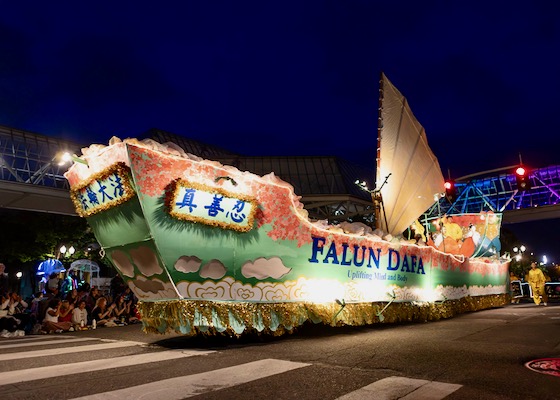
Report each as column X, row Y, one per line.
column 450, row 191
column 522, row 179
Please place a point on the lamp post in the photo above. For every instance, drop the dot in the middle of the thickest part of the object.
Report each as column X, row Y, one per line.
column 66, row 252
column 519, row 251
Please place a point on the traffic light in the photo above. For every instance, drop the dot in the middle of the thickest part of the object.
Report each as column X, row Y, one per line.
column 522, row 178
column 450, row 191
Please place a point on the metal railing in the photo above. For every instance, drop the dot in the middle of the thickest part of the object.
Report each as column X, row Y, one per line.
column 33, row 159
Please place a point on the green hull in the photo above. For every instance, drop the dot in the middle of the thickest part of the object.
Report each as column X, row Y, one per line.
column 205, row 246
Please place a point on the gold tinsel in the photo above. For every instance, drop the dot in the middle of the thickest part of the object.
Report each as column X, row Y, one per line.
column 193, row 317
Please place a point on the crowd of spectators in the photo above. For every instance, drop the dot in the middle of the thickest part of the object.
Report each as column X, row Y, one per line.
column 63, row 306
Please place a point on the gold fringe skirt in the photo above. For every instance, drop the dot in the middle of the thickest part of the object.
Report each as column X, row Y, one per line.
column 193, row 317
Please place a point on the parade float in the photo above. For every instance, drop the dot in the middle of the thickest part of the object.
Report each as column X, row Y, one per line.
column 207, row 248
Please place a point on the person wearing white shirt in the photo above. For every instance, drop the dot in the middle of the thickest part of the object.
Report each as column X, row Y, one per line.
column 80, row 315
column 13, row 306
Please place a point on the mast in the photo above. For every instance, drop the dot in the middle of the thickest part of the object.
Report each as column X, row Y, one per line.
column 379, row 127
column 376, row 193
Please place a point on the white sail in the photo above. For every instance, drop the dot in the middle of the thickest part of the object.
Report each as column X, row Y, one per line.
column 415, row 175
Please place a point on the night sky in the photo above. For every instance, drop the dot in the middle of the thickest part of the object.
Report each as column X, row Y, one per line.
column 289, row 78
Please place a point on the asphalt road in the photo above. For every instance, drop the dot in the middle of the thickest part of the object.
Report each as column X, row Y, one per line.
column 473, row 356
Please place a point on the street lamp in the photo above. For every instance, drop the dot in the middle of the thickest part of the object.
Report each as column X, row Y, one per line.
column 519, row 252
column 64, row 252
column 66, row 157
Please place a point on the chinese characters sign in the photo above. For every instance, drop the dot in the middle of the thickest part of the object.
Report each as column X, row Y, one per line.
column 104, row 190
column 211, row 206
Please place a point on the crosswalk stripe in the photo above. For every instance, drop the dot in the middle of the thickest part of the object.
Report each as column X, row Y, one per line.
column 32, row 338
column 395, row 387
column 31, row 374
column 13, row 345
column 192, row 385
column 433, row 391
column 25, row 338
column 67, row 350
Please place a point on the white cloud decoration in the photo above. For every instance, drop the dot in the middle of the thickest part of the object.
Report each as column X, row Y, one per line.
column 146, row 261
column 122, row 262
column 188, row 264
column 214, row 269
column 263, row 268
column 152, row 289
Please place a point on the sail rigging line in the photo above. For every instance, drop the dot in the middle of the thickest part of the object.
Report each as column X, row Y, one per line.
column 378, row 200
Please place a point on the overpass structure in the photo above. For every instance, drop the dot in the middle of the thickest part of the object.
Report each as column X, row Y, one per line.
column 32, row 179
column 499, row 193
column 30, row 175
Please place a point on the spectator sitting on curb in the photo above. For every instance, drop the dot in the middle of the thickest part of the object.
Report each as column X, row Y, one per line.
column 80, row 316
column 103, row 314
column 91, row 299
column 51, row 323
column 65, row 311
column 121, row 311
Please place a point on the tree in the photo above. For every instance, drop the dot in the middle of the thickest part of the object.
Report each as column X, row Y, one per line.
column 509, row 240
column 30, row 236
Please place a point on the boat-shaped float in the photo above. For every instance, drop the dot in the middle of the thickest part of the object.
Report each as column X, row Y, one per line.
column 208, row 248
